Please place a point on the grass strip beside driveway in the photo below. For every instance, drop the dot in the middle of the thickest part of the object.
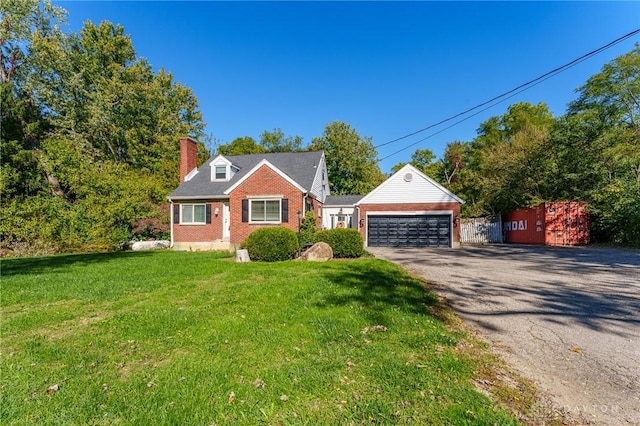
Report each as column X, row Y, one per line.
column 195, row 338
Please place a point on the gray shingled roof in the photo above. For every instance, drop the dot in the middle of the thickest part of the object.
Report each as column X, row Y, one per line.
column 299, row 166
column 342, row 200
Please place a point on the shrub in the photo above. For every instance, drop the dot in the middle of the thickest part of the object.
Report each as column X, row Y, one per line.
column 272, row 244
column 345, row 242
column 150, row 228
column 308, row 228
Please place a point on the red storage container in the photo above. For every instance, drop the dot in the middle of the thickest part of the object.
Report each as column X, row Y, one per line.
column 525, row 226
column 566, row 224
column 563, row 223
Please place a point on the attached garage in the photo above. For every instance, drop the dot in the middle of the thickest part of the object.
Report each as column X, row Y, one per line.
column 409, row 231
column 410, row 210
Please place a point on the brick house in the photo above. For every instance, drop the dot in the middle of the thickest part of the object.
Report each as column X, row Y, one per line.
column 220, row 203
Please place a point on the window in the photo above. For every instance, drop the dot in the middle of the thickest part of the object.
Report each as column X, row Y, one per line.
column 193, row 214
column 220, row 172
column 264, row 211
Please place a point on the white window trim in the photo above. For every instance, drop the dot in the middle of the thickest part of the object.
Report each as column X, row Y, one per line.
column 220, row 161
column 226, row 172
column 192, row 205
column 267, row 222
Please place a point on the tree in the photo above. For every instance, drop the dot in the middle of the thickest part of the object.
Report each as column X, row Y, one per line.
column 453, row 162
column 21, row 21
column 516, row 174
column 458, row 175
column 352, row 162
column 25, row 169
column 95, row 90
column 240, row 146
column 89, row 133
column 599, row 154
column 510, row 159
column 276, row 141
column 425, row 161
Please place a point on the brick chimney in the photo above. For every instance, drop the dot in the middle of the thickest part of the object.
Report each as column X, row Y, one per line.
column 188, row 156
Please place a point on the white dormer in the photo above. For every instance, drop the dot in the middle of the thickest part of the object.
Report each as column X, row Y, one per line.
column 221, row 169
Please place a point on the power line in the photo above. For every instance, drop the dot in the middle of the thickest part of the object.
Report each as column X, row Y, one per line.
column 464, row 119
column 548, row 76
column 512, row 92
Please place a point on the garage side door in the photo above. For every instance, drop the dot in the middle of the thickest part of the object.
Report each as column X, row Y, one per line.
column 409, row 231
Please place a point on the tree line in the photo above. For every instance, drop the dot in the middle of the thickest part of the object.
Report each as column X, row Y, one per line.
column 89, row 143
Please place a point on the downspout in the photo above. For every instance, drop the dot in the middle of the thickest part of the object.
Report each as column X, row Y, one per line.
column 304, row 203
column 171, row 222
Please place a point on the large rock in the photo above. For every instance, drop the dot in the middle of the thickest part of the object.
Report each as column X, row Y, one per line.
column 319, row 252
column 242, row 256
column 150, row 245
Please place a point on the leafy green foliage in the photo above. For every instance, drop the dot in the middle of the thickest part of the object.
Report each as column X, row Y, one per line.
column 345, row 242
column 423, row 160
column 270, row 141
column 615, row 213
column 352, row 162
column 308, row 227
column 90, row 133
column 241, row 146
column 272, row 244
column 276, row 141
column 599, row 149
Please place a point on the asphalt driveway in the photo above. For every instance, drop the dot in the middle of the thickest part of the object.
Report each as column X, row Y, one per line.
column 567, row 318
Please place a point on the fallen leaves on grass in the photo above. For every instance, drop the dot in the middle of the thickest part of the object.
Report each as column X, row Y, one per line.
column 284, row 397
column 259, row 383
column 52, row 389
column 232, row 397
column 373, row 328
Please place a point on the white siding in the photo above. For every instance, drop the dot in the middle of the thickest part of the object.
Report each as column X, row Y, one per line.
column 329, row 212
column 420, row 189
column 320, row 186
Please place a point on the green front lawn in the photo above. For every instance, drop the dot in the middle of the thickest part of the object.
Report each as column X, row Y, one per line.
column 195, row 338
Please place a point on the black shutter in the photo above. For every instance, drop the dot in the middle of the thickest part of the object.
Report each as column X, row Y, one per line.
column 176, row 213
column 285, row 210
column 245, row 210
column 208, row 213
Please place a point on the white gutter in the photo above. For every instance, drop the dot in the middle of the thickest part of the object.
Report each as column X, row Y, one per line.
column 198, row 197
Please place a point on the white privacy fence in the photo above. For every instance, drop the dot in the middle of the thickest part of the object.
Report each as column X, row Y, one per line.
column 481, row 230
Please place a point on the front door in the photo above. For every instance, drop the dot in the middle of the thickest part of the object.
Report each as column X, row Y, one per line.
column 226, row 222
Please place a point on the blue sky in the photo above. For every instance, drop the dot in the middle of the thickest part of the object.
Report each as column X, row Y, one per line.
column 386, row 68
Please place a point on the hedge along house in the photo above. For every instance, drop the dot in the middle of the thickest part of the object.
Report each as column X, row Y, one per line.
column 220, row 203
column 409, row 209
